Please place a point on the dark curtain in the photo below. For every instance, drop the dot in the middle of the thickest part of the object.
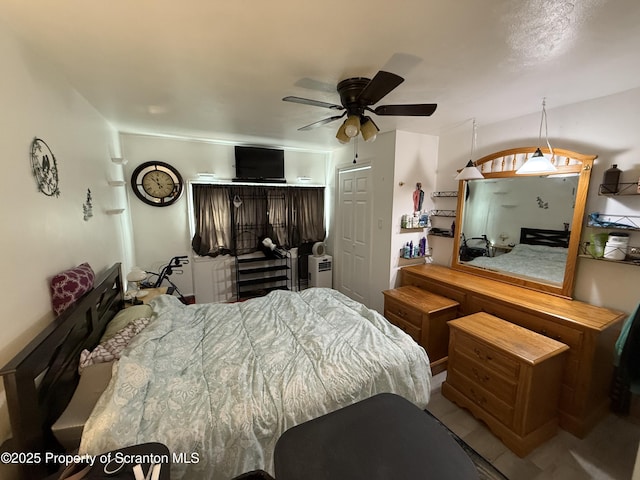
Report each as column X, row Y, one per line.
column 213, row 220
column 235, row 219
column 308, row 214
column 250, row 218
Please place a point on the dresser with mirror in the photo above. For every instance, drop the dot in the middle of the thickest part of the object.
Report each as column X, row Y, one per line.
column 538, row 218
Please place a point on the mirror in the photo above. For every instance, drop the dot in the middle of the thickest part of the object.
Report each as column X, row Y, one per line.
column 523, row 229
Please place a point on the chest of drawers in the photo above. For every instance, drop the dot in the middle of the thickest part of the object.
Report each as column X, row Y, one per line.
column 590, row 332
column 423, row 315
column 507, row 376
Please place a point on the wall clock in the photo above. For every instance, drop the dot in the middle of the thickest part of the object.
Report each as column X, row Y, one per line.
column 157, row 183
column 44, row 167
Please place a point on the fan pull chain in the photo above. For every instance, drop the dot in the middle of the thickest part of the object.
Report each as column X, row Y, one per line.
column 355, row 150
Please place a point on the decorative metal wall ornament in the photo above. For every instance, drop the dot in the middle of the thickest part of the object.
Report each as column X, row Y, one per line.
column 87, row 207
column 542, row 203
column 44, row 167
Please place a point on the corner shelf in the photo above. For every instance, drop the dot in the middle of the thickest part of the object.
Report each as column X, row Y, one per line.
column 449, row 194
column 403, row 261
column 412, row 229
column 584, row 253
column 623, row 189
column 440, row 232
column 442, row 213
column 114, row 211
column 619, row 222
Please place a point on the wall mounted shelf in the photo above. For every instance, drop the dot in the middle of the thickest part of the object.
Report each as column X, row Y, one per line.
column 119, row 160
column 117, row 183
column 623, row 189
column 616, row 222
column 442, row 213
column 115, row 211
column 634, row 259
column 449, row 193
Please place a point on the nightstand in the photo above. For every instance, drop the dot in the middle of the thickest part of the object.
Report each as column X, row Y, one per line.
column 150, row 295
column 424, row 316
column 507, row 376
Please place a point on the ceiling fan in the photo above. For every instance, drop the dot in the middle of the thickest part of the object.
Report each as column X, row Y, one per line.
column 357, row 95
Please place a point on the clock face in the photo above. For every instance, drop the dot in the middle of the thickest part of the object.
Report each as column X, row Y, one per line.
column 157, row 183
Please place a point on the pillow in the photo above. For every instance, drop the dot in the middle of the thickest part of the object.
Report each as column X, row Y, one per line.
column 112, row 348
column 123, row 318
column 68, row 428
column 68, row 286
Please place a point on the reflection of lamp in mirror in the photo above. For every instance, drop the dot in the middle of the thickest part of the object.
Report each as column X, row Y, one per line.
column 470, row 171
column 538, row 163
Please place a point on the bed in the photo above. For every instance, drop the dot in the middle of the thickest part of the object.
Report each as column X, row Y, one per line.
column 541, row 255
column 221, row 382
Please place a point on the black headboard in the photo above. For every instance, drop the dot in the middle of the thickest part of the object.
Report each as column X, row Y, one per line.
column 550, row 238
column 40, row 380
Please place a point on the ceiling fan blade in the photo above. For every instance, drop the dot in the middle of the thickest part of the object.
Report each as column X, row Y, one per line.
column 378, row 87
column 321, row 122
column 415, row 110
column 315, row 103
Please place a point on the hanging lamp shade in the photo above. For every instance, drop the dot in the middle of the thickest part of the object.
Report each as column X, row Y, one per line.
column 470, row 172
column 538, row 163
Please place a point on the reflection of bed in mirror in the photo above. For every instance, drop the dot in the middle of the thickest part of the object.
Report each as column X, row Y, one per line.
column 541, row 255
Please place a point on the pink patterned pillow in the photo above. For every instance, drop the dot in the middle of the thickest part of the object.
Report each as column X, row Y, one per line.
column 111, row 349
column 69, row 286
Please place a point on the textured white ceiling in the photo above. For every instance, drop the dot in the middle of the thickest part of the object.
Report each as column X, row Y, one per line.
column 214, row 69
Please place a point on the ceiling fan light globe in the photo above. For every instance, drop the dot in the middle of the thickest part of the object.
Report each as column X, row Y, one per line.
column 352, row 126
column 341, row 134
column 369, row 130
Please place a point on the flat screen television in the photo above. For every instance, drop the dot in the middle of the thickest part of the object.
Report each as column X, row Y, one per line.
column 258, row 164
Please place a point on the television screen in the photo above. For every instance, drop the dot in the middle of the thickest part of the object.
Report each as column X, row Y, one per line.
column 257, row 164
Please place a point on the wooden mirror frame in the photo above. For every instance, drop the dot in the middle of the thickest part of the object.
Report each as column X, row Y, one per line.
column 503, row 164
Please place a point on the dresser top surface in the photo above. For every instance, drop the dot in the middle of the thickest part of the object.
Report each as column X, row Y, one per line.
column 529, row 346
column 420, row 298
column 585, row 314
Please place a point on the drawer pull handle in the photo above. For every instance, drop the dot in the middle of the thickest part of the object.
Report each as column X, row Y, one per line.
column 400, row 313
column 479, row 399
column 482, row 356
column 481, row 378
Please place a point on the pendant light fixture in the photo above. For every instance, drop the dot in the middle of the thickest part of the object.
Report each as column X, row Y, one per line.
column 538, row 163
column 470, row 171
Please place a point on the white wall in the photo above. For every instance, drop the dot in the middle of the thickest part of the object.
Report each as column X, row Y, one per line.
column 607, row 127
column 416, row 160
column 163, row 232
column 43, row 235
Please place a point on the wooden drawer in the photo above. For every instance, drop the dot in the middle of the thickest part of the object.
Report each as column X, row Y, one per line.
column 413, row 331
column 401, row 310
column 502, row 411
column 503, row 388
column 569, row 336
column 483, row 354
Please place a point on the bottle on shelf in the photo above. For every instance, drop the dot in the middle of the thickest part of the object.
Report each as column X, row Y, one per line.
column 611, row 180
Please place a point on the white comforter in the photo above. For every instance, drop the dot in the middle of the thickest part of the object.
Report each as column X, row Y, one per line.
column 224, row 381
column 540, row 262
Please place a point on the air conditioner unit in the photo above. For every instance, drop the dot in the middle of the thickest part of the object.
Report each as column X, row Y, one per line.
column 320, row 271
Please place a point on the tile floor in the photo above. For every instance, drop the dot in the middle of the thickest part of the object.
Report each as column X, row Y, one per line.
column 608, row 452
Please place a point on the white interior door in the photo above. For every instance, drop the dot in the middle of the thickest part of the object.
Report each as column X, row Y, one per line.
column 354, row 233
